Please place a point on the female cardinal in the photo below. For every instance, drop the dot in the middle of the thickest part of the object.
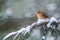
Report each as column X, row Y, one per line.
column 41, row 15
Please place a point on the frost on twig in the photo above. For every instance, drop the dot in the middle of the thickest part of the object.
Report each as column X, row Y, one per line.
column 52, row 20
column 10, row 34
column 21, row 31
column 27, row 30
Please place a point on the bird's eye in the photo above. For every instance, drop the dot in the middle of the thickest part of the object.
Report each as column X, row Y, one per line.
column 38, row 12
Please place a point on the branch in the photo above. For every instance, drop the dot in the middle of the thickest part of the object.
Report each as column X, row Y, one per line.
column 52, row 20
column 22, row 30
column 26, row 30
column 9, row 35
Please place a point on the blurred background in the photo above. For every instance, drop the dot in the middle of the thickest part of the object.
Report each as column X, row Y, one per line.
column 15, row 14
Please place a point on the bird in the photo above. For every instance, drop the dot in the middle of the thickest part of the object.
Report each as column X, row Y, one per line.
column 41, row 15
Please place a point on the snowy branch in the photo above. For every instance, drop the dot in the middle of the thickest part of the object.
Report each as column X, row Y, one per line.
column 26, row 30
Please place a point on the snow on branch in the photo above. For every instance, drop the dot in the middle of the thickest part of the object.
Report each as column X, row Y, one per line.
column 26, row 30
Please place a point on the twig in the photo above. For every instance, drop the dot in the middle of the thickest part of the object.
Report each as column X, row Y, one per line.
column 26, row 30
